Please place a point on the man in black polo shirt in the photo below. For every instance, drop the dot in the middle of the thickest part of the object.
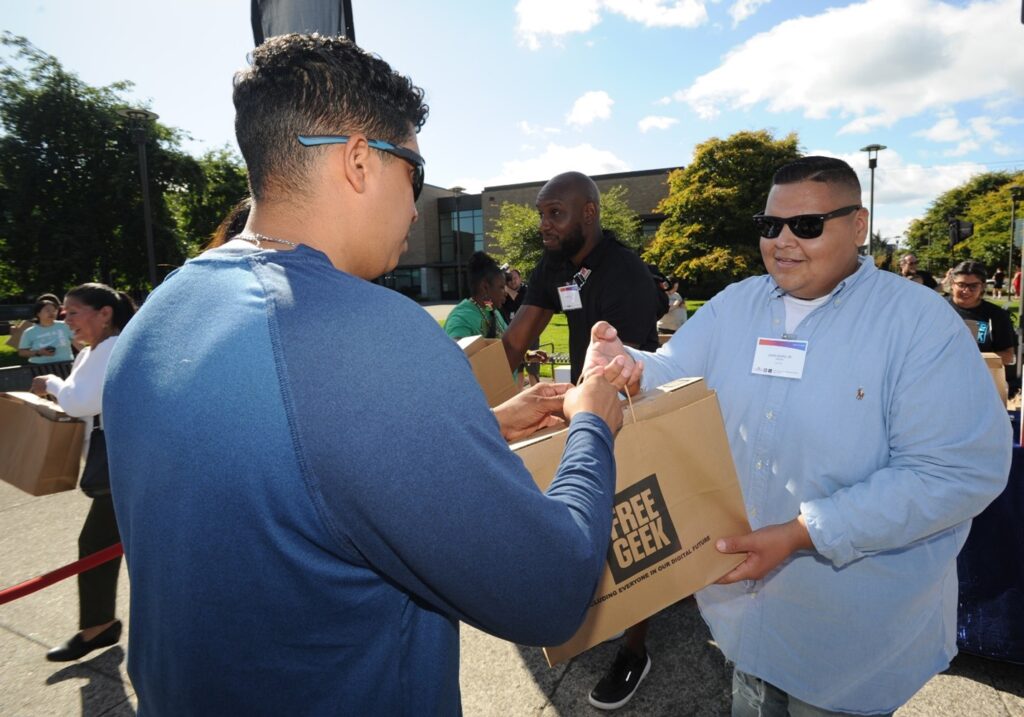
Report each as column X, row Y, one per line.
column 585, row 273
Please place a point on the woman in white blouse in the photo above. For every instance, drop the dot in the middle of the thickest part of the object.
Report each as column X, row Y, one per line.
column 95, row 313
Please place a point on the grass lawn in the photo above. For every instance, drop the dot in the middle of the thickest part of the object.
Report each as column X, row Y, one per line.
column 8, row 356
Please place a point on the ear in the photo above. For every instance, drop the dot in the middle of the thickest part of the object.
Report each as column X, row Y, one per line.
column 107, row 313
column 860, row 223
column 589, row 212
column 354, row 162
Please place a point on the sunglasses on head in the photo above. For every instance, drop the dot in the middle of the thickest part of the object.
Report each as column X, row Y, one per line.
column 417, row 162
column 804, row 226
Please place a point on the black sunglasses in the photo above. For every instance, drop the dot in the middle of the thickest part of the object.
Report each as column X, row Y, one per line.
column 805, row 226
column 417, row 162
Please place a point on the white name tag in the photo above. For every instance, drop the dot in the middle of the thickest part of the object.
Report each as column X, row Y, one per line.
column 780, row 357
column 570, row 297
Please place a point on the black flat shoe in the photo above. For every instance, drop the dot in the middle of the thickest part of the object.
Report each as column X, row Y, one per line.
column 77, row 647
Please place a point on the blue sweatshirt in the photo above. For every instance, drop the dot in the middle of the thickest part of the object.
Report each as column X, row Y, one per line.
column 312, row 493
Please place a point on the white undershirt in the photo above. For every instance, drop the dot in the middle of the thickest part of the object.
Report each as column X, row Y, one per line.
column 798, row 309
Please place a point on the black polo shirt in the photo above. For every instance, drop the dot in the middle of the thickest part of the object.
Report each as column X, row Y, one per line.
column 619, row 289
column 995, row 328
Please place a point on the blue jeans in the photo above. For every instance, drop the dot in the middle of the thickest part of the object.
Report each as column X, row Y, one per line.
column 753, row 697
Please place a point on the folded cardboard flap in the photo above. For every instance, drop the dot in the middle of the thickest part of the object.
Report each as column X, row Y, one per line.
column 43, row 406
column 40, row 445
column 676, row 493
column 490, row 367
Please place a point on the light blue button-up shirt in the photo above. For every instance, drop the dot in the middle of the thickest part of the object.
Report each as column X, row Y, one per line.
column 890, row 442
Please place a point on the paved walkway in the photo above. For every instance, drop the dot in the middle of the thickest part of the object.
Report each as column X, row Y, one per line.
column 689, row 675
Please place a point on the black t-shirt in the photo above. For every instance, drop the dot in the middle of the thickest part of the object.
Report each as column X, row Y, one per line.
column 995, row 328
column 618, row 289
column 511, row 306
column 927, row 279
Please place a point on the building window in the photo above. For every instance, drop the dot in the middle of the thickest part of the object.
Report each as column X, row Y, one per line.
column 404, row 281
column 469, row 225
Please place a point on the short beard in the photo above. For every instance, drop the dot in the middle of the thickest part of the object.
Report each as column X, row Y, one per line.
column 570, row 246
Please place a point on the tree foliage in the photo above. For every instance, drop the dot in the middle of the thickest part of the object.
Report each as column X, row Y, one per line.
column 70, row 195
column 707, row 238
column 517, row 228
column 199, row 209
column 984, row 200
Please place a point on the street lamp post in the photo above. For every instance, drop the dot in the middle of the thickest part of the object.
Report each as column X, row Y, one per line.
column 456, row 226
column 137, row 121
column 872, row 150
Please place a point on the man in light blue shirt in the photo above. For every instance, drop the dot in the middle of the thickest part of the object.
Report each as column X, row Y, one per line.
column 835, row 381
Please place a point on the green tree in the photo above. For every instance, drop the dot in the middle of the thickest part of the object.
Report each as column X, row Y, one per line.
column 198, row 209
column 70, row 196
column 984, row 199
column 707, row 238
column 517, row 232
column 517, row 228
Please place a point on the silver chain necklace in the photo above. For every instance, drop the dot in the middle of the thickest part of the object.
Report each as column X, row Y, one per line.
column 256, row 238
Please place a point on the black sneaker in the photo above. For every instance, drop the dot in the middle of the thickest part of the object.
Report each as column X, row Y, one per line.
column 618, row 686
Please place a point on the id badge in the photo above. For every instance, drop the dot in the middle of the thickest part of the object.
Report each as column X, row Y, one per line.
column 569, row 296
column 780, row 357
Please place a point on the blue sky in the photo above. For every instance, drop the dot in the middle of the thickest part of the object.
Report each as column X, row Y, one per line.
column 522, row 90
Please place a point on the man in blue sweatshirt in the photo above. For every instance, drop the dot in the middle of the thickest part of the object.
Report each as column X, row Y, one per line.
column 311, row 488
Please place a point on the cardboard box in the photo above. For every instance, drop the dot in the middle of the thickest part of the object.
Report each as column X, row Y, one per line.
column 490, row 366
column 676, row 494
column 40, row 445
column 998, row 371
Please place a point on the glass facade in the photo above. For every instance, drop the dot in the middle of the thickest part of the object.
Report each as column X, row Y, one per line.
column 405, row 281
column 468, row 224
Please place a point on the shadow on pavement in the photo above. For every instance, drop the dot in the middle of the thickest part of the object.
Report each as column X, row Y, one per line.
column 103, row 693
column 689, row 676
column 1003, row 676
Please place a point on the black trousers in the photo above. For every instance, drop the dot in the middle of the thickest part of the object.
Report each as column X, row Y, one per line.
column 97, row 588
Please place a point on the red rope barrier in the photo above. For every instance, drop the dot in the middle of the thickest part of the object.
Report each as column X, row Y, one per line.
column 79, row 566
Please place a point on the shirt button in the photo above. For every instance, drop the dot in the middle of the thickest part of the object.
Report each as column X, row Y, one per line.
column 770, row 415
column 759, row 465
column 776, row 322
column 753, row 512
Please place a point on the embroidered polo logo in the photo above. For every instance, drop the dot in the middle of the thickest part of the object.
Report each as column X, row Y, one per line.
column 642, row 530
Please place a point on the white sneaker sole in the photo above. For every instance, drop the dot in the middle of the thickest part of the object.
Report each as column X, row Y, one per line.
column 627, row 698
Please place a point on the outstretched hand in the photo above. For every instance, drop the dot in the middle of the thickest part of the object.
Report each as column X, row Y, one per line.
column 538, row 407
column 605, row 346
column 766, row 548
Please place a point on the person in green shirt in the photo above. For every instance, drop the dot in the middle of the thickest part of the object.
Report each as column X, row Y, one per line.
column 479, row 315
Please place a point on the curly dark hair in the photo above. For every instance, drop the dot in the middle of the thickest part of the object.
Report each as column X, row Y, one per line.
column 314, row 84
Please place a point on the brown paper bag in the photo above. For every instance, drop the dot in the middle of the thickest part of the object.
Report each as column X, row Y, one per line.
column 40, row 445
column 490, row 366
column 676, row 494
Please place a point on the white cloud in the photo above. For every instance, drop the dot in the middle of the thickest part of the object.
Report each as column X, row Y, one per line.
column 554, row 160
column 945, row 130
column 555, row 19
column 655, row 122
column 531, row 130
column 590, row 106
column 663, row 101
column 538, row 18
column 1003, row 149
column 875, row 62
column 742, row 9
column 661, row 13
column 965, row 147
column 903, row 191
